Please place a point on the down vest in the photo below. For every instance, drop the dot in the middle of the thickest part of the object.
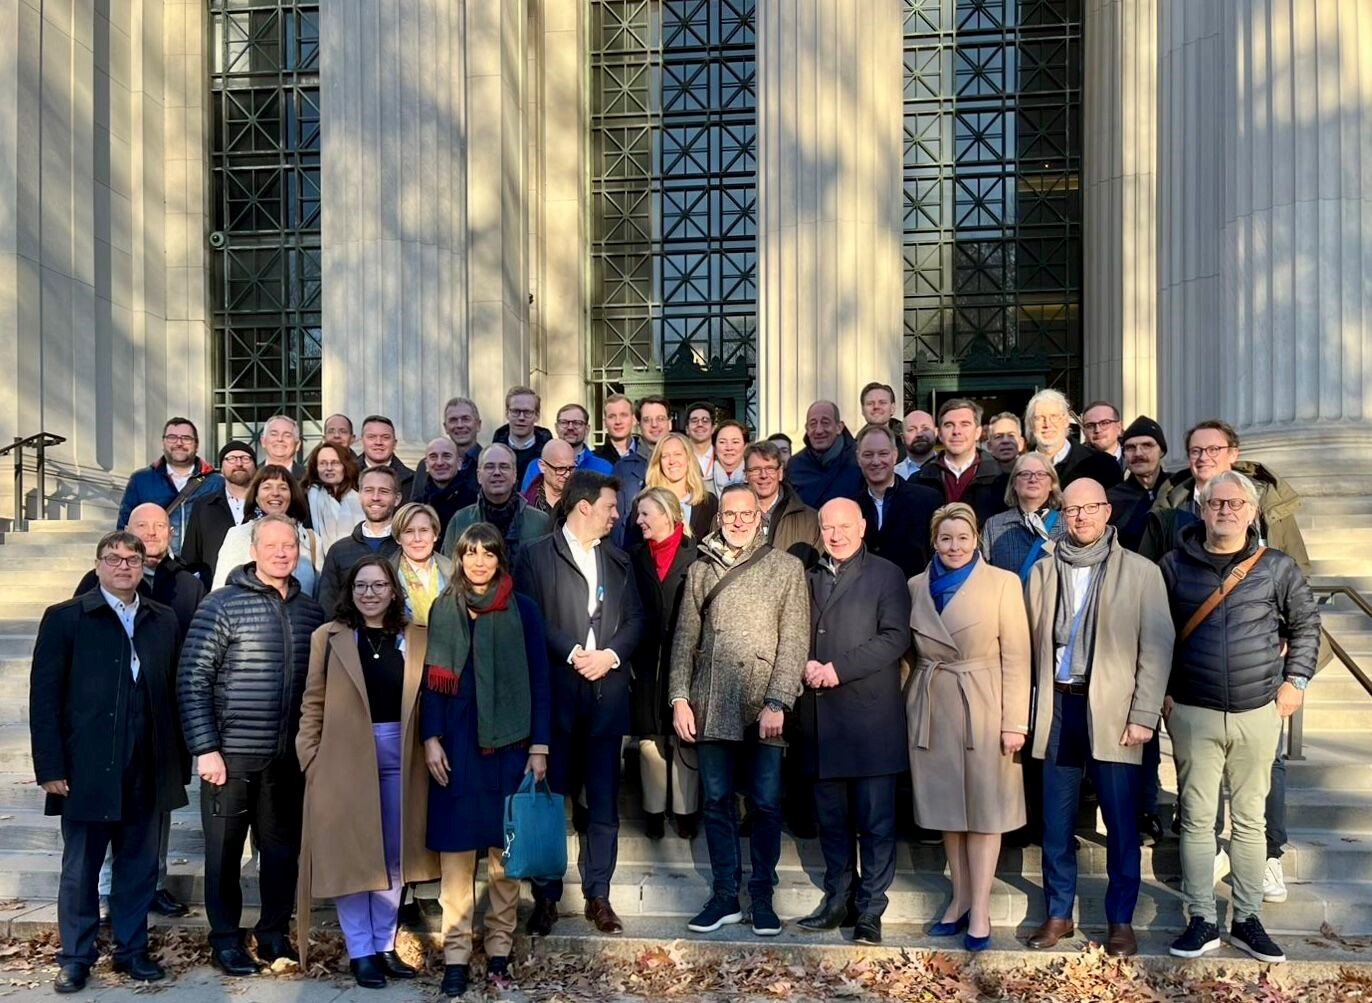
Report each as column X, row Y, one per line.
column 1233, row 661
column 243, row 667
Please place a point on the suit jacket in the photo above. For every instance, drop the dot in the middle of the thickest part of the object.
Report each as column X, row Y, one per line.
column 210, row 521
column 652, row 662
column 546, row 573
column 903, row 538
column 1083, row 461
column 79, row 690
column 857, row 729
column 172, row 585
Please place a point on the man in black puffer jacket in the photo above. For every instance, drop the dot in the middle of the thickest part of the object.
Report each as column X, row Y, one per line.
column 240, row 683
column 1237, row 672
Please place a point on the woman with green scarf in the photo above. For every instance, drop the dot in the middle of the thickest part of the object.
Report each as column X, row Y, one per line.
column 485, row 720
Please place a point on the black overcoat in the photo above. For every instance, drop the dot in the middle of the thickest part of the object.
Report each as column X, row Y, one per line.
column 652, row 662
column 903, row 538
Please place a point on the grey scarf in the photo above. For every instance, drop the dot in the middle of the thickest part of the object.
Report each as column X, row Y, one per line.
column 1068, row 557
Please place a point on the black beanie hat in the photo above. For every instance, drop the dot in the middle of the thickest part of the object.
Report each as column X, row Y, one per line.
column 235, row 447
column 1144, row 425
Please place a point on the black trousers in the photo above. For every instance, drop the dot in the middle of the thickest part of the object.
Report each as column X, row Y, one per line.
column 864, row 807
column 580, row 762
column 268, row 801
column 134, row 839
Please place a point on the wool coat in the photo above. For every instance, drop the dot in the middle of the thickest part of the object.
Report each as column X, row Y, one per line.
column 341, row 848
column 857, row 728
column 970, row 684
column 750, row 647
column 650, row 713
column 1130, row 660
column 903, row 537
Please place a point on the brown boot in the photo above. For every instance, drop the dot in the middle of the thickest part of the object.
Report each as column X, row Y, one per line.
column 598, row 911
column 1054, row 928
column 1121, row 943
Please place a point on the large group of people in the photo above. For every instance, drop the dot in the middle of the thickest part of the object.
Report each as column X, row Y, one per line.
column 940, row 625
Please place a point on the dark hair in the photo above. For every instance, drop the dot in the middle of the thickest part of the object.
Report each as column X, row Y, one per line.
column 181, row 421
column 381, row 468
column 779, row 437
column 584, row 485
column 1215, row 424
column 695, row 406
column 347, row 612
column 874, row 385
column 652, row 399
column 378, row 419
column 345, row 456
column 731, row 423
column 489, row 539
column 958, row 404
column 340, row 414
column 1113, row 410
column 298, row 509
column 120, row 538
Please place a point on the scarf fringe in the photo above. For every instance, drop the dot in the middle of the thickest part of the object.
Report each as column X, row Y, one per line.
column 442, row 680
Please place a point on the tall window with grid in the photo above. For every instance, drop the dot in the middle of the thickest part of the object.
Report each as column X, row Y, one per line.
column 674, row 236
column 266, row 277
column 992, row 197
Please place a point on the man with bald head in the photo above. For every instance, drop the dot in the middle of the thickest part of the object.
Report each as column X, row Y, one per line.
column 827, row 467
column 851, row 719
column 1102, row 648
column 441, row 486
column 497, row 472
column 920, row 435
column 551, row 470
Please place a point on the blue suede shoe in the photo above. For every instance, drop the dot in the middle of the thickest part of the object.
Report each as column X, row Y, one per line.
column 975, row 944
column 942, row 929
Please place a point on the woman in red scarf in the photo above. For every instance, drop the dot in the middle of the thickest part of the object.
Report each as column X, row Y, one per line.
column 660, row 564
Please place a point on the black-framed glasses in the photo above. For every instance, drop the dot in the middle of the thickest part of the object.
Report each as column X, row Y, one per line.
column 184, row 440
column 1090, row 508
column 1096, row 426
column 559, row 469
column 521, row 412
column 1209, row 452
column 371, row 588
column 1232, row 504
column 115, row 561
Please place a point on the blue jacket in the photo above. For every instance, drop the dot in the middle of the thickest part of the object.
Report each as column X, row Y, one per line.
column 586, row 459
column 632, row 471
column 818, row 479
column 153, row 484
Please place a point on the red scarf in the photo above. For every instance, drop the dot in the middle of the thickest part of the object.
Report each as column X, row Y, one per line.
column 664, row 551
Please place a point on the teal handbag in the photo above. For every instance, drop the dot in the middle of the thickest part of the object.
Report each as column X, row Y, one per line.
column 535, row 833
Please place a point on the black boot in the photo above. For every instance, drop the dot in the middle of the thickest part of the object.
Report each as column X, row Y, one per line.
column 688, row 825
column 367, row 972
column 394, row 966
column 454, row 980
column 655, row 825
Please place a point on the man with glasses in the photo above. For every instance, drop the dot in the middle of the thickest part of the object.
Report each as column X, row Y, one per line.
column 1100, row 424
column 1047, row 420
column 108, row 753
column 738, row 658
column 1248, row 637
column 217, row 512
column 700, row 429
column 281, row 443
column 654, row 421
column 338, row 431
column 788, row 524
column 557, row 463
column 521, row 431
column 573, row 425
column 1102, row 649
column 499, row 504
column 378, row 489
column 174, row 482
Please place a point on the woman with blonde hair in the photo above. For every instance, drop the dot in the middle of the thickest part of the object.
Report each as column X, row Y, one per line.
column 1014, row 539
column 424, row 573
column 673, row 466
column 967, row 707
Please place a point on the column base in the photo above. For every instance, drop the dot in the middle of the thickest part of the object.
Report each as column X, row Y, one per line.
column 1318, row 458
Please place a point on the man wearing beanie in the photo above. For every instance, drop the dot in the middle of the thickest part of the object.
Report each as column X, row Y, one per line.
column 219, row 511
column 1144, row 447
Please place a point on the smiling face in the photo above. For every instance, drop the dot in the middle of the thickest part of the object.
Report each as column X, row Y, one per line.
column 1004, row 440
column 179, row 444
column 653, row 521
column 700, row 426
column 920, row 434
column 378, row 443
column 440, row 460
column 150, row 524
column 878, row 406
column 672, row 459
column 876, row 456
column 496, row 474
column 479, row 566
column 619, row 420
column 841, row 527
column 955, row 543
column 1101, row 428
column 1033, row 483
column 959, row 433
column 1050, row 421
column 763, row 476
column 378, row 497
column 653, row 423
column 1227, row 515
column 274, row 496
column 1208, row 452
column 1086, row 510
column 462, row 426
column 419, row 538
column 572, row 426
column 822, row 425
column 372, row 591
column 739, row 518
column 238, row 468
column 276, row 550
column 729, row 445
column 280, row 441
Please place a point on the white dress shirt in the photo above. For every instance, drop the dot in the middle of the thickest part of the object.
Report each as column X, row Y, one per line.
column 586, row 563
column 1081, row 584
column 236, row 506
column 126, row 613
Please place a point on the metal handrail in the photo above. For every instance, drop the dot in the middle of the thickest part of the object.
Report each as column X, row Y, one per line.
column 1295, row 735
column 40, row 441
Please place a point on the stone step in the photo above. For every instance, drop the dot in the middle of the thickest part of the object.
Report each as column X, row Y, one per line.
column 30, row 610
column 17, row 645
column 1333, row 716
column 1349, row 504
column 70, row 566
column 43, row 527
column 1321, row 574
column 46, row 590
column 1338, row 542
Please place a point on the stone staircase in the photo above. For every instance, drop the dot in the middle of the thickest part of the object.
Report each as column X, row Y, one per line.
column 1328, row 863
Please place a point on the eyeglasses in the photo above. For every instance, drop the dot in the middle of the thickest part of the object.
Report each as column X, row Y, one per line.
column 571, row 422
column 1232, row 504
column 1209, row 452
column 559, row 469
column 761, row 471
column 521, row 412
column 700, row 419
column 1050, row 419
column 1033, row 475
column 371, row 588
column 183, row 439
column 113, row 561
column 1096, row 426
column 1090, row 508
column 740, row 517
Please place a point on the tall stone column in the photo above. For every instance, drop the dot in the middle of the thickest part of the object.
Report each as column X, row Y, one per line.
column 1266, row 263
column 422, row 202
column 830, row 140
column 1120, row 203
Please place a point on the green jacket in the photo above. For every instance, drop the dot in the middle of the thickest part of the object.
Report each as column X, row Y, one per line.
column 527, row 525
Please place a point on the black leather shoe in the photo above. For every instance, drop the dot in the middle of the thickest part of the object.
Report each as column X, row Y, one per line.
column 688, row 825
column 581, row 819
column 867, row 930
column 394, row 967
column 543, row 917
column 454, row 980
column 276, row 949
column 140, row 968
column 71, row 978
column 164, row 903
column 367, row 972
column 1150, row 830
column 826, row 917
column 235, row 961
column 655, row 825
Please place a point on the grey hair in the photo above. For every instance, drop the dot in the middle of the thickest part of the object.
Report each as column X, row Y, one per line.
column 1242, row 482
column 481, row 457
column 268, row 520
column 1055, row 486
column 295, row 425
column 1056, row 397
column 1008, row 416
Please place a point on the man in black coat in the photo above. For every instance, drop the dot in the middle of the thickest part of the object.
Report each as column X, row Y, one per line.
column 1047, row 419
column 443, row 488
column 379, row 490
column 897, row 512
column 218, row 512
column 963, row 471
column 585, row 588
column 108, row 752
column 240, row 685
column 378, row 450
column 852, row 717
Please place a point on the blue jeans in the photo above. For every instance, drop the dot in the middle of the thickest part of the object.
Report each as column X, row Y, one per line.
column 756, row 768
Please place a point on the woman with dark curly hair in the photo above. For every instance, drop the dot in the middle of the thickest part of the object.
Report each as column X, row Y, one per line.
column 330, row 483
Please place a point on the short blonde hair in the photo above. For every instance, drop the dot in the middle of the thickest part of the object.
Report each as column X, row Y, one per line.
column 411, row 511
column 668, row 502
column 695, row 483
column 950, row 512
column 1055, row 486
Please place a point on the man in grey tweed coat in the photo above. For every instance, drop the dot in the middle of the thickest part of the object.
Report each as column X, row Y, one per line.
column 738, row 658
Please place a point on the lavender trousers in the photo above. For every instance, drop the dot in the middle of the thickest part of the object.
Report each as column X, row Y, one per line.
column 369, row 919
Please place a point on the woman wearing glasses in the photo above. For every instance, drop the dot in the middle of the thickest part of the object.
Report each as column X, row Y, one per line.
column 331, row 485
column 968, row 711
column 358, row 736
column 273, row 491
column 1014, row 539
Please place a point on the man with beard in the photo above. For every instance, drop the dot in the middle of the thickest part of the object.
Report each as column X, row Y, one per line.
column 920, row 435
column 175, row 481
column 442, row 488
column 218, row 512
column 379, row 491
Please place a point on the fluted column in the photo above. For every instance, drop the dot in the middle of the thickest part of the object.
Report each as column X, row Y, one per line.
column 829, row 195
column 423, row 207
column 1120, row 203
column 1268, row 165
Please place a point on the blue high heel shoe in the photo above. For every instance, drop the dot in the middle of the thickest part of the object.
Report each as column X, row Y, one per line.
column 975, row 944
column 942, row 929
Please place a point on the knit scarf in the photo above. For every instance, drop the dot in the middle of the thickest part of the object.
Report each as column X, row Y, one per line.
column 495, row 640
column 944, row 583
column 664, row 551
column 422, row 587
column 1068, row 556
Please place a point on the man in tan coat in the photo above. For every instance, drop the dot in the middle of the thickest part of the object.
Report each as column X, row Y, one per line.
column 1102, row 642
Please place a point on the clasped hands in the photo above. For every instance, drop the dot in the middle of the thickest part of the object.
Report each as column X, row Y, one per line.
column 821, row 675
column 592, row 665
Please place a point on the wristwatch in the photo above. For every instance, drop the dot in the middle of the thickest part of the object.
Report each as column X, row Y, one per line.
column 1300, row 682
column 774, row 705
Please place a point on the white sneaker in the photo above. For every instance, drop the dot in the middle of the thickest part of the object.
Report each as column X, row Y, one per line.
column 1273, row 883
column 1221, row 865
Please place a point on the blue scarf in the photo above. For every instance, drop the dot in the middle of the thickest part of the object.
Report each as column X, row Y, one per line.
column 944, row 584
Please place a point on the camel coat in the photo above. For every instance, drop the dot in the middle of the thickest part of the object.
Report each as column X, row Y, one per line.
column 970, row 683
column 340, row 849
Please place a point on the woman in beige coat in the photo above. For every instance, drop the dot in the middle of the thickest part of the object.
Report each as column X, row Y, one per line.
column 365, row 779
column 968, row 710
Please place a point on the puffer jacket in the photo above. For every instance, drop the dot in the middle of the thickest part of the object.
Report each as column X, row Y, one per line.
column 1233, row 661
column 243, row 667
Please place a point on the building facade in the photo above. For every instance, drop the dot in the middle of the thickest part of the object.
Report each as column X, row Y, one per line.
column 230, row 208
